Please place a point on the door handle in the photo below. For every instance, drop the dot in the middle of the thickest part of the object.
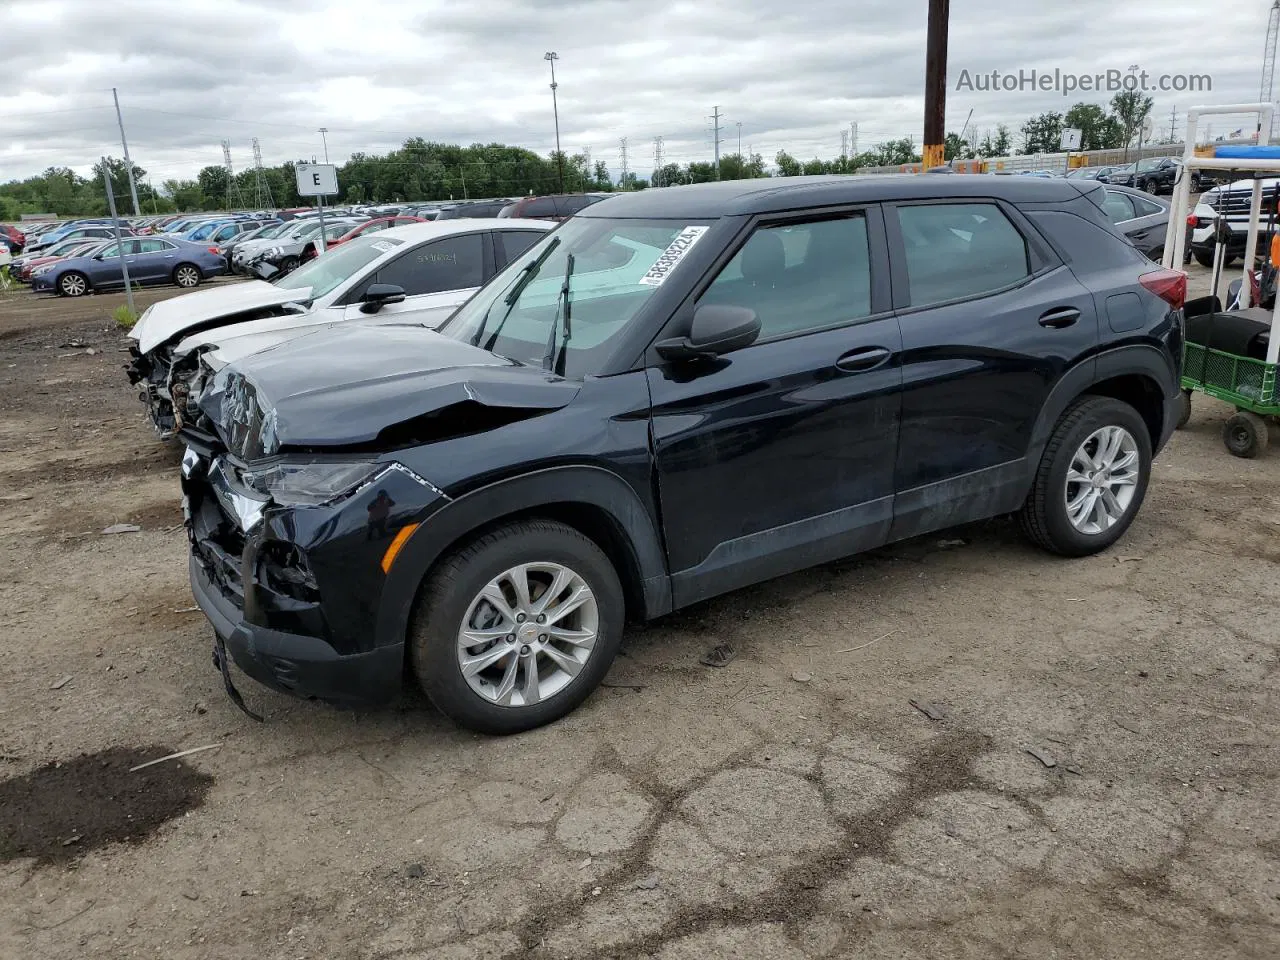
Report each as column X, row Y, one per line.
column 863, row 359
column 1059, row 317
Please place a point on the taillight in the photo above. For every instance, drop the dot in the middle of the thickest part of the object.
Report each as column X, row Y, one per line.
column 1169, row 285
column 1193, row 220
column 216, row 251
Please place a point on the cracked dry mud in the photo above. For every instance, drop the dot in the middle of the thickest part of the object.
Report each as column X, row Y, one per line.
column 709, row 813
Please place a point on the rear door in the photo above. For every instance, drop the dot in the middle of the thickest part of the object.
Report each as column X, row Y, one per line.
column 154, row 259
column 780, row 455
column 991, row 318
column 436, row 277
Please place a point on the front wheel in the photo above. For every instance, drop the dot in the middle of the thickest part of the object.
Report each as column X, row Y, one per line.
column 517, row 628
column 1091, row 480
column 288, row 265
column 186, row 276
column 73, row 285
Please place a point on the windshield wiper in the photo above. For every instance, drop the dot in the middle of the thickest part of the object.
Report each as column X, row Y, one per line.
column 525, row 277
column 550, row 359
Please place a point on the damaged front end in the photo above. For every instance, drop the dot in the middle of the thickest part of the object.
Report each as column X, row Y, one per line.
column 150, row 372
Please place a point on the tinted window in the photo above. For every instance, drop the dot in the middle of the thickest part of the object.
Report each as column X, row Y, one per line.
column 1118, row 206
column 957, row 250
column 512, row 243
column 540, row 207
column 452, row 263
column 1144, row 208
column 799, row 277
column 571, row 205
column 155, row 246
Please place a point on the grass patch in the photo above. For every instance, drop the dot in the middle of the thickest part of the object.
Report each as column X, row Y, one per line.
column 124, row 317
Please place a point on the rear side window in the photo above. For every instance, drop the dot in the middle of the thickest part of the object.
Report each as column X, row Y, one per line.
column 959, row 250
column 1144, row 208
column 512, row 243
column 799, row 277
column 1118, row 206
column 154, row 246
column 452, row 263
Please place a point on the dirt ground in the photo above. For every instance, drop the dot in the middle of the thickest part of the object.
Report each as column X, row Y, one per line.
column 794, row 804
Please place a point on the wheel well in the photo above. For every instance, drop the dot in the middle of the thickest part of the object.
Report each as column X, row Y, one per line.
column 1141, row 393
column 592, row 522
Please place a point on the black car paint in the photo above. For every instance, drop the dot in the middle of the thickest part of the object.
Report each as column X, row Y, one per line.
column 944, row 423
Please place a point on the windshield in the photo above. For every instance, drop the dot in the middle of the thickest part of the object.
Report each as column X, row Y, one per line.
column 330, row 270
column 1149, row 164
column 616, row 270
column 269, row 233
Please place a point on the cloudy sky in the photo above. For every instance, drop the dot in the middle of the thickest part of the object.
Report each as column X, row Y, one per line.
column 793, row 74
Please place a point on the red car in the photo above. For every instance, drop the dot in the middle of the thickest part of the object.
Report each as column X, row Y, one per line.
column 369, row 226
column 13, row 238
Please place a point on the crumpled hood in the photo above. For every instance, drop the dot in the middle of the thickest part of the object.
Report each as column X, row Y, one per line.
column 345, row 386
column 162, row 321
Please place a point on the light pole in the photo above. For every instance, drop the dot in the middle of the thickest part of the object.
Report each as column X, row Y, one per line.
column 325, row 141
column 551, row 57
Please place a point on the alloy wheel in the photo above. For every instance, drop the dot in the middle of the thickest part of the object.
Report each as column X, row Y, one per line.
column 187, row 277
column 527, row 634
column 1102, row 479
column 73, row 285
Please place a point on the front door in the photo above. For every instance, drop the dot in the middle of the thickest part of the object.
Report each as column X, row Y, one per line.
column 780, row 455
column 990, row 320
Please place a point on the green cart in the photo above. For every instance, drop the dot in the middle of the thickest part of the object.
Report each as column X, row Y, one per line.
column 1247, row 384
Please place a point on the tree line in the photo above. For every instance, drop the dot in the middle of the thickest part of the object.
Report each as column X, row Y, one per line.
column 422, row 170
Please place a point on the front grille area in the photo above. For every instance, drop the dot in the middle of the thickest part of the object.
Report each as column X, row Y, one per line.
column 1232, row 203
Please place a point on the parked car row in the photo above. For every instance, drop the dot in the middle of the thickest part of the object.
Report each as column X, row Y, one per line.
column 670, row 395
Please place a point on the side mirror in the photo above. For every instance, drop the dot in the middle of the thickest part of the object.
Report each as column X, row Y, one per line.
column 379, row 295
column 717, row 328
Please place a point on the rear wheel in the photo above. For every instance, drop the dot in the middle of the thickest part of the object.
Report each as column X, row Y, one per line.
column 186, row 275
column 73, row 284
column 1245, row 434
column 1091, row 480
column 517, row 628
column 1184, row 411
column 288, row 265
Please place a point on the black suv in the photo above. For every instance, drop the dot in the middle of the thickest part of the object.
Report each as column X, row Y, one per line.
column 1154, row 175
column 675, row 394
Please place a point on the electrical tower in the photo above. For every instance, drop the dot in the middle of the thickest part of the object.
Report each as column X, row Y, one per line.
column 234, row 200
column 261, row 189
column 715, row 119
column 622, row 180
column 844, row 145
column 1269, row 60
column 853, row 139
column 656, row 179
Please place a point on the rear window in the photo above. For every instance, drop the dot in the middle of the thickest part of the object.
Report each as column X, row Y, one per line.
column 960, row 250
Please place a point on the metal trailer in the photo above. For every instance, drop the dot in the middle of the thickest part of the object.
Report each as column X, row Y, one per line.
column 1247, row 383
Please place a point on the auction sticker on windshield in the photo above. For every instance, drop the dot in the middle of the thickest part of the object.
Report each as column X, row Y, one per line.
column 674, row 253
column 382, row 245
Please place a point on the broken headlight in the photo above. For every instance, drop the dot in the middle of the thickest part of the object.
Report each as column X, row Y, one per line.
column 309, row 484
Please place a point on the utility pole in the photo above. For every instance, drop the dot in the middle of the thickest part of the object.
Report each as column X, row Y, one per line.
column 551, row 57
column 124, row 264
column 715, row 118
column 261, row 189
column 739, row 139
column 325, row 141
column 1269, row 63
column 1173, row 123
column 935, row 85
column 622, row 181
column 128, row 164
column 657, row 162
column 844, row 145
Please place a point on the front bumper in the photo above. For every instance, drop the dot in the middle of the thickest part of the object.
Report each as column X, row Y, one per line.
column 294, row 663
column 295, row 593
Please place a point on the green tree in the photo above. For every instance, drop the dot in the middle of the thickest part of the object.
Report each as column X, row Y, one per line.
column 1131, row 108
column 185, row 194
column 1098, row 129
column 602, row 180
column 1001, row 145
column 954, row 148
column 1043, row 133
column 787, row 164
column 119, row 176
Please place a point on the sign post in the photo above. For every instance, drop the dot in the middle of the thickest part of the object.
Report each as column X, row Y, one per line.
column 1071, row 140
column 317, row 180
column 115, row 221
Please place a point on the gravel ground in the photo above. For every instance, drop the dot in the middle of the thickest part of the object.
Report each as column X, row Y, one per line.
column 794, row 804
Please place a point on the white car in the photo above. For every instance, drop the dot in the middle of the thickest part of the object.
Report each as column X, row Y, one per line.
column 1230, row 202
column 418, row 273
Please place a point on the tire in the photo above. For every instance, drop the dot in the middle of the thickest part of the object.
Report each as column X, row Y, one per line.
column 187, row 276
column 1184, row 411
column 1245, row 435
column 288, row 265
column 1147, row 186
column 452, row 599
column 73, row 284
column 1045, row 517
